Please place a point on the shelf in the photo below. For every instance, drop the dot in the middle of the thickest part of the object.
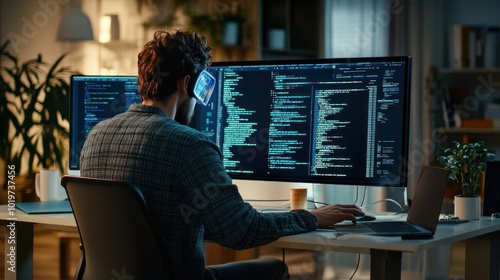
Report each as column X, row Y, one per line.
column 469, row 70
column 297, row 52
column 122, row 45
column 300, row 36
column 466, row 84
column 462, row 130
column 466, row 133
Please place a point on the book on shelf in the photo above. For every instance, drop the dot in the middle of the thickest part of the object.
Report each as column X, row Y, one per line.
column 475, row 46
column 493, row 113
column 451, row 115
column 453, row 119
column 477, row 123
column 491, row 49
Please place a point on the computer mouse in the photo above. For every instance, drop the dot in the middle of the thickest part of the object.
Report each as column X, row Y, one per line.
column 367, row 217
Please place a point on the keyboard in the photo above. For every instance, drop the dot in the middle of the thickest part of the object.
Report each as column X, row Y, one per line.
column 391, row 226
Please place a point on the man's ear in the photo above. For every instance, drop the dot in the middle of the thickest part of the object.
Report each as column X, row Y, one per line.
column 184, row 85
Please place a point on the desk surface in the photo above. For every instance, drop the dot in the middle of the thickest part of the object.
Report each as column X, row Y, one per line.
column 324, row 240
column 56, row 220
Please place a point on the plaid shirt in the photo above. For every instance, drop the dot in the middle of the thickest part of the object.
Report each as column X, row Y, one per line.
column 183, row 180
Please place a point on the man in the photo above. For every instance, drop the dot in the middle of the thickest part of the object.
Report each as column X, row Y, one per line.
column 181, row 174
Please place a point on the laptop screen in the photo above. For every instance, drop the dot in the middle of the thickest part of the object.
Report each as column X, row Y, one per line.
column 428, row 197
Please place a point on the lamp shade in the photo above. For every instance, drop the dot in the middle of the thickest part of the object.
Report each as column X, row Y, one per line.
column 75, row 26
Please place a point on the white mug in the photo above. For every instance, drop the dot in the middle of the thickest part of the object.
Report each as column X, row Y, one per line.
column 48, row 185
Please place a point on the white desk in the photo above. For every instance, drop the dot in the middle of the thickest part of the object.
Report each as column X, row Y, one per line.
column 482, row 245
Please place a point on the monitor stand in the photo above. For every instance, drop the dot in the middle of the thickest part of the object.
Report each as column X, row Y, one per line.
column 371, row 198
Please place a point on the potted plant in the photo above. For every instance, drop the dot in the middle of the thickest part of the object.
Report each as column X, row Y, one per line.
column 467, row 163
column 34, row 104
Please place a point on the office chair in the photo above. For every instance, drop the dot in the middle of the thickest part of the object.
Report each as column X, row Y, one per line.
column 118, row 237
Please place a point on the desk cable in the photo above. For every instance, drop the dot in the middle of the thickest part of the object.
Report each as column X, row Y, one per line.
column 355, row 202
column 361, row 206
column 316, row 202
column 355, row 199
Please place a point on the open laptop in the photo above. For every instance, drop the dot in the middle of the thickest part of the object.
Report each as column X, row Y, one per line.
column 423, row 215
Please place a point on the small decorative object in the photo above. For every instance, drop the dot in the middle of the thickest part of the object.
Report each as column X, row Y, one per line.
column 109, row 29
column 466, row 163
column 231, row 33
column 277, row 39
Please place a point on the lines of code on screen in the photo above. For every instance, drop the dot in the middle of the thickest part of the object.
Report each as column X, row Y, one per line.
column 344, row 121
column 96, row 98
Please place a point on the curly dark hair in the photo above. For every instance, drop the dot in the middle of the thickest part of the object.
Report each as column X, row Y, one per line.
column 169, row 57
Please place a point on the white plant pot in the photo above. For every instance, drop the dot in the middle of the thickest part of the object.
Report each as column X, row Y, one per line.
column 467, row 208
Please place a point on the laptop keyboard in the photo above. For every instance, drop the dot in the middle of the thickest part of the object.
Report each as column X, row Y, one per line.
column 393, row 226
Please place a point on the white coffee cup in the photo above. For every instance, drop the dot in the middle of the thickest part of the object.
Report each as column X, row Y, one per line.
column 48, row 185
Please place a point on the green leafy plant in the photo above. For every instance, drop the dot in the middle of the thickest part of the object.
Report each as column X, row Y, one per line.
column 466, row 162
column 34, row 103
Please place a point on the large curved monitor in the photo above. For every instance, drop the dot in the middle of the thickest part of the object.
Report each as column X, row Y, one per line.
column 334, row 121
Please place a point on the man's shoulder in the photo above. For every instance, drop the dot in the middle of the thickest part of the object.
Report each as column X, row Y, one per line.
column 157, row 127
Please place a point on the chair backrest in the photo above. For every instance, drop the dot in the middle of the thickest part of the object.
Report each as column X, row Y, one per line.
column 118, row 236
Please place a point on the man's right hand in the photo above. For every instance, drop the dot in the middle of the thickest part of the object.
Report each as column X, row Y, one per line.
column 329, row 215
